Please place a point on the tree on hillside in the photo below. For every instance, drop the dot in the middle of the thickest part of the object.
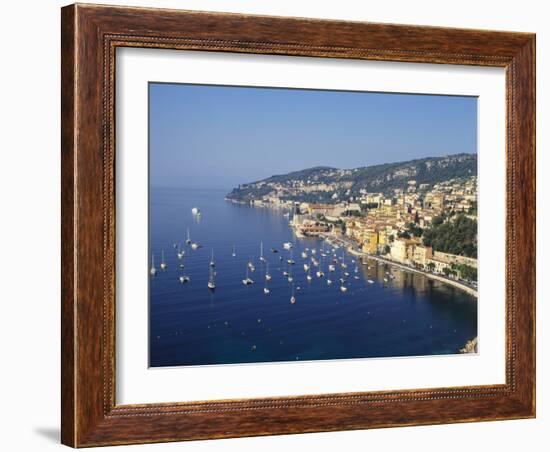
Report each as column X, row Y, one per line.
column 457, row 236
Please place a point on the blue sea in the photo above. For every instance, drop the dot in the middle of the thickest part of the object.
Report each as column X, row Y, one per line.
column 409, row 315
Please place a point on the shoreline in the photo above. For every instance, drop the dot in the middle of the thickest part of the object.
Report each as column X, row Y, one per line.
column 349, row 247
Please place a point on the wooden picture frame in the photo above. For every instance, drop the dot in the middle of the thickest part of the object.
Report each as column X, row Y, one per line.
column 90, row 35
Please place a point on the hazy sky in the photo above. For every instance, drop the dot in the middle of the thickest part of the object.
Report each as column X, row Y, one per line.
column 219, row 137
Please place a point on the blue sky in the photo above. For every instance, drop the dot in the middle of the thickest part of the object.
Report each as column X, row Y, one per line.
column 220, row 136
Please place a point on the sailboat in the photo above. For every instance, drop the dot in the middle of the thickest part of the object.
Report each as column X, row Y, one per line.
column 181, row 253
column 188, row 241
column 212, row 263
column 247, row 281
column 306, row 267
column 251, row 265
column 292, row 298
column 212, row 278
column 343, row 264
column 309, row 277
column 233, row 253
column 153, row 270
column 289, row 277
column 323, row 254
column 320, row 272
column 290, row 261
column 184, row 279
column 267, row 278
column 267, row 274
column 329, row 281
column 304, row 255
column 343, row 288
column 163, row 264
column 262, row 258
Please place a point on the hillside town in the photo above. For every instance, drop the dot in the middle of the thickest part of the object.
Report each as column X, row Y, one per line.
column 428, row 227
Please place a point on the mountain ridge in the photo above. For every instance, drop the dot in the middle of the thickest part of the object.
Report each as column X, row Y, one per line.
column 318, row 181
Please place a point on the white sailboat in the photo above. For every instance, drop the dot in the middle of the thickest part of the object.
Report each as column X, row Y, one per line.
column 262, row 258
column 212, row 279
column 195, row 245
column 153, row 270
column 188, row 241
column 320, row 272
column 343, row 288
column 247, row 281
column 163, row 264
column 309, row 277
column 212, row 263
column 292, row 297
column 267, row 274
column 329, row 281
column 234, row 252
column 306, row 267
column 304, row 255
column 184, row 279
column 289, row 277
column 195, row 211
column 181, row 253
column 290, row 260
column 251, row 265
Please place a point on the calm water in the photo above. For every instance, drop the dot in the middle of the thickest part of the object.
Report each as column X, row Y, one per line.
column 407, row 316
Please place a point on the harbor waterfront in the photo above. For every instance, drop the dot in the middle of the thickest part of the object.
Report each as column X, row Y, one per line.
column 233, row 283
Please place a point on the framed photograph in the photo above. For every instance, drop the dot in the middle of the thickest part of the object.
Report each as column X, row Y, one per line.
column 281, row 225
